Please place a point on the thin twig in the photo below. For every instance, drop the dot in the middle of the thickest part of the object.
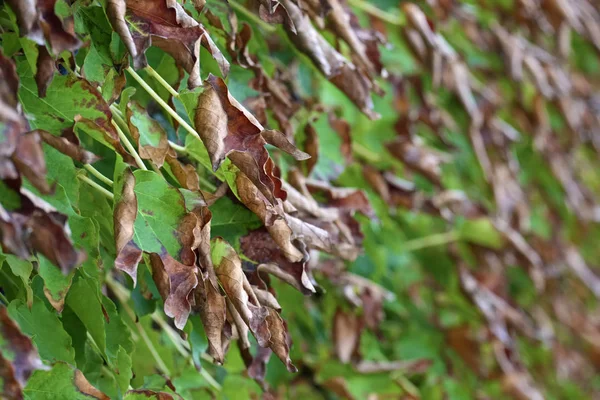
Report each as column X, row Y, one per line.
column 162, row 81
column 129, row 147
column 96, row 186
column 98, row 174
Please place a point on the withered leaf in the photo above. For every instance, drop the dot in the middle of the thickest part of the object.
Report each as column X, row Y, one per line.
column 175, row 282
column 271, row 216
column 229, row 130
column 280, row 340
column 212, row 308
column 45, row 70
column 129, row 254
column 16, row 368
column 342, row 73
column 347, row 329
column 165, row 24
column 67, row 146
column 228, row 267
column 259, row 246
column 29, row 160
column 38, row 21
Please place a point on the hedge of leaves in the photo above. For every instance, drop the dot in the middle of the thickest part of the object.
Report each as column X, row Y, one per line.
column 311, row 199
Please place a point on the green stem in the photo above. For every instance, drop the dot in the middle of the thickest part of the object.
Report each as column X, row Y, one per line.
column 437, row 239
column 121, row 294
column 162, row 103
column 96, row 186
column 129, row 147
column 376, row 12
column 251, row 16
column 181, row 345
column 3, row 298
column 162, row 81
column 98, row 175
column 178, row 148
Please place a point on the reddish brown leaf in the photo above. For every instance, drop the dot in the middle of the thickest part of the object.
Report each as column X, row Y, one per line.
column 45, row 70
column 165, row 24
column 29, row 160
column 260, row 247
column 280, row 340
column 175, row 282
column 65, row 145
column 24, row 358
column 229, row 130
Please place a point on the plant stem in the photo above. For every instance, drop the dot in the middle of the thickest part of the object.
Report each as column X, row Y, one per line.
column 162, row 81
column 162, row 103
column 129, row 147
column 376, row 12
column 96, row 186
column 122, row 295
column 437, row 239
column 251, row 16
column 181, row 345
column 98, row 175
column 178, row 148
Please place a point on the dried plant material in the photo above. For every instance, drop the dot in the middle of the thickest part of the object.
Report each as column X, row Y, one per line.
column 347, row 328
column 279, row 340
column 228, row 130
column 175, row 281
column 343, row 74
column 165, row 24
column 69, row 145
column 228, row 267
column 260, row 247
column 272, row 217
column 129, row 254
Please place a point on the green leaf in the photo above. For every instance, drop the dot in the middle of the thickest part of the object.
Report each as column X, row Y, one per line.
column 58, row 383
column 481, row 231
column 56, row 285
column 160, row 209
column 66, row 97
column 22, row 269
column 45, row 329
column 83, row 299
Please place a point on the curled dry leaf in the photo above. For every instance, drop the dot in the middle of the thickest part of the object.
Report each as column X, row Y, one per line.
column 129, row 254
column 38, row 21
column 68, row 144
column 175, row 282
column 15, row 368
column 45, row 70
column 342, row 73
column 228, row 267
column 212, row 308
column 347, row 328
column 36, row 226
column 260, row 247
column 86, row 388
column 279, row 340
column 29, row 160
column 165, row 24
column 228, row 130
column 271, row 216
